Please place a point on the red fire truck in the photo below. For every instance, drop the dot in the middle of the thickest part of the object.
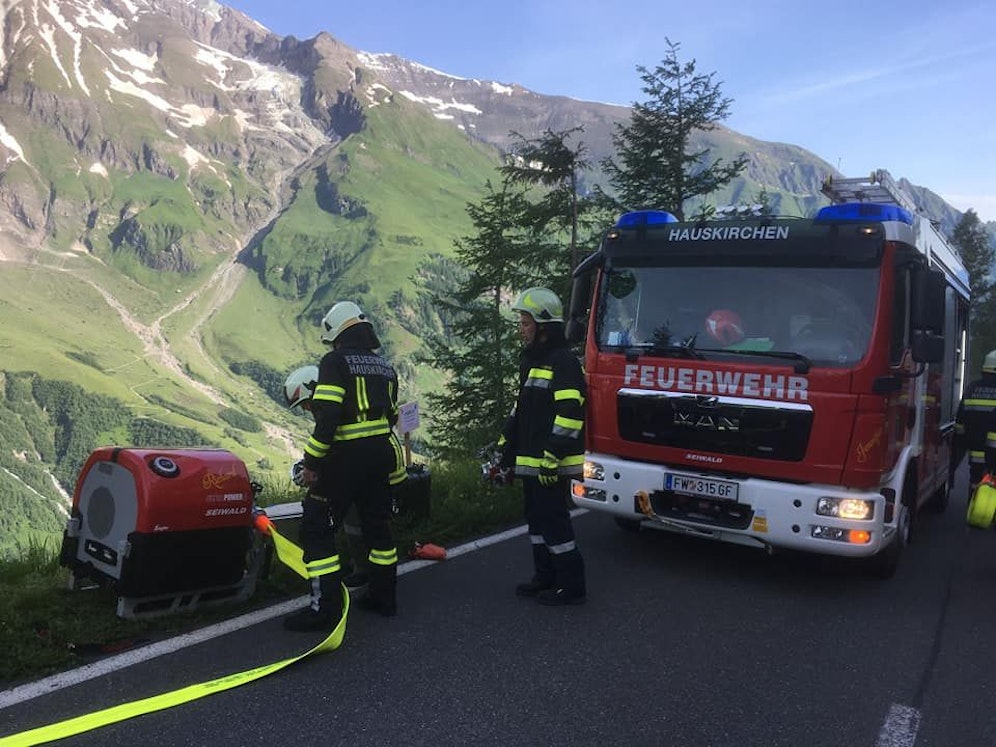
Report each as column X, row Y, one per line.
column 774, row 382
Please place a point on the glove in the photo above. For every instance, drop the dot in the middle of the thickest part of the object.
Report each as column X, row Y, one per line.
column 297, row 473
column 506, row 454
column 548, row 470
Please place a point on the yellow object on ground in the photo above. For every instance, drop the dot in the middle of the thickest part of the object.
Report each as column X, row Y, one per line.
column 290, row 554
column 982, row 505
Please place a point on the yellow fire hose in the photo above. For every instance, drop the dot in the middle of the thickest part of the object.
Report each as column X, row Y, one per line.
column 291, row 556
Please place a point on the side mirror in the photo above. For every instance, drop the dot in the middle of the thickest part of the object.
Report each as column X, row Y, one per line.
column 927, row 347
column 928, row 300
column 574, row 331
column 577, row 312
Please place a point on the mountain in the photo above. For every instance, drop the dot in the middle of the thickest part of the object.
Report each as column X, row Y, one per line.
column 184, row 193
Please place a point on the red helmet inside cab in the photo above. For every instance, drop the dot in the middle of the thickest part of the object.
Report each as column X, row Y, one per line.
column 725, row 327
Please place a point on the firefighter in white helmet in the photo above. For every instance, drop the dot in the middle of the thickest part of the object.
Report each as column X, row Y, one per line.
column 976, row 423
column 298, row 391
column 543, row 439
column 349, row 460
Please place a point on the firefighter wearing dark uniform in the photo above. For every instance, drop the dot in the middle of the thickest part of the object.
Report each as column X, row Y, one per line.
column 299, row 388
column 976, row 423
column 544, row 440
column 349, row 460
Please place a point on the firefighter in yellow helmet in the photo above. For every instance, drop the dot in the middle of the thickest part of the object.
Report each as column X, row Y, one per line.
column 349, row 460
column 976, row 423
column 543, row 439
column 299, row 388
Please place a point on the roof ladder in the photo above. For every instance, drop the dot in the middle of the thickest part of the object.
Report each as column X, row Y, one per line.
column 878, row 187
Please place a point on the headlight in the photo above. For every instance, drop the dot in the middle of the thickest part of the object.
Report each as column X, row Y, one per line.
column 845, row 508
column 594, row 471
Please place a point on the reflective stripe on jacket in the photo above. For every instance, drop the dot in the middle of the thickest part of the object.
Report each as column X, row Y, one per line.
column 549, row 412
column 356, row 397
column 976, row 418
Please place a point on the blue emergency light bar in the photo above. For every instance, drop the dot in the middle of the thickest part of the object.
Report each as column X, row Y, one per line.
column 645, row 218
column 863, row 212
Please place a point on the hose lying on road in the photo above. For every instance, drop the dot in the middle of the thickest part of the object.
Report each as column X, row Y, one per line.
column 289, row 554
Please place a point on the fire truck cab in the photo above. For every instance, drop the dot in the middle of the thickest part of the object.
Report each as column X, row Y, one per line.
column 774, row 382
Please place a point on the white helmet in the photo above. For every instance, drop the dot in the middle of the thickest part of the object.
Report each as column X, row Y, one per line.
column 300, row 385
column 341, row 317
column 542, row 304
column 989, row 362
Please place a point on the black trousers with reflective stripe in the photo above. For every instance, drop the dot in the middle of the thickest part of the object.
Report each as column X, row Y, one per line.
column 548, row 515
column 355, row 473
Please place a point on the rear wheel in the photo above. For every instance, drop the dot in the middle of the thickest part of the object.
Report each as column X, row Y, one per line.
column 938, row 502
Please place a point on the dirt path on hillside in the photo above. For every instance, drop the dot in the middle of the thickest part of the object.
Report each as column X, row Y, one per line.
column 216, row 292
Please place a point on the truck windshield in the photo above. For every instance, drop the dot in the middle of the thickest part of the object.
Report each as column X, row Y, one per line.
column 822, row 314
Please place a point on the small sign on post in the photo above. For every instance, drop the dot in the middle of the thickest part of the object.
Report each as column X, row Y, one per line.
column 407, row 422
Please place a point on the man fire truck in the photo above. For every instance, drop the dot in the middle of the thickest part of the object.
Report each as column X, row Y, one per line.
column 775, row 382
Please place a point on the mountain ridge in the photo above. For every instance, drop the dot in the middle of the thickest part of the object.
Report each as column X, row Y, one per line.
column 183, row 193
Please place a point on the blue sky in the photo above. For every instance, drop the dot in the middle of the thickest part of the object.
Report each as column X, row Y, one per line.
column 905, row 86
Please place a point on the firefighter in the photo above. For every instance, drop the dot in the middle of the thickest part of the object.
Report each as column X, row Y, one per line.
column 976, row 420
column 543, row 439
column 349, row 460
column 298, row 391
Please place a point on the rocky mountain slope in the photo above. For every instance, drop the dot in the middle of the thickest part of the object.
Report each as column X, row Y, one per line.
column 183, row 193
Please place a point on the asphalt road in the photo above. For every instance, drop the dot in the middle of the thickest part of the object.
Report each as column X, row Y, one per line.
column 682, row 642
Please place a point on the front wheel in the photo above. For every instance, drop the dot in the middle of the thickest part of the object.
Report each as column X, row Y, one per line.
column 884, row 564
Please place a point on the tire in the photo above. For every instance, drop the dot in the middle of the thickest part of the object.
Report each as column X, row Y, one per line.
column 938, row 502
column 886, row 562
column 628, row 525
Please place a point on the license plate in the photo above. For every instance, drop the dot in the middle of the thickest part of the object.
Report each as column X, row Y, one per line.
column 701, row 486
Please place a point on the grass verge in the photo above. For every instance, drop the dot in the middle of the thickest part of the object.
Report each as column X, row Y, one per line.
column 46, row 628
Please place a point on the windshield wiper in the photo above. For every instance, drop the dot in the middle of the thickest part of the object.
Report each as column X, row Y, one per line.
column 684, row 349
column 802, row 365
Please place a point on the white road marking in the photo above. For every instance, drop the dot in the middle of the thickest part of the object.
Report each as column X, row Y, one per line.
column 128, row 658
column 900, row 727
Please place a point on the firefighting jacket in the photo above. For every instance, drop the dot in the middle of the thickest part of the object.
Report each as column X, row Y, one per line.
column 549, row 411
column 356, row 397
column 976, row 419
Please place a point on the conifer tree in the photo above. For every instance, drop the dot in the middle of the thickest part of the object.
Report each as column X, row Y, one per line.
column 478, row 349
column 656, row 167
column 550, row 161
column 974, row 244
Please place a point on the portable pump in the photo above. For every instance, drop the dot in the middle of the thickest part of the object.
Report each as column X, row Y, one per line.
column 167, row 529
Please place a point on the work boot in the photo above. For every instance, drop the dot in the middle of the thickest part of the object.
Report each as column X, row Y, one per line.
column 309, row 620
column 533, row 587
column 560, row 597
column 381, row 607
column 356, row 581
column 325, row 609
column 380, row 597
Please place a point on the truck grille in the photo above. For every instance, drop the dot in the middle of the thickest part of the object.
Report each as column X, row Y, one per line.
column 763, row 429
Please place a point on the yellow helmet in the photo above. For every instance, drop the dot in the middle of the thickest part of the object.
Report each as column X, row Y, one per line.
column 989, row 362
column 542, row 304
column 300, row 385
column 341, row 317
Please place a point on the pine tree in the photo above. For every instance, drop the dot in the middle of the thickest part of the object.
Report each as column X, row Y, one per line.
column 978, row 254
column 478, row 349
column 551, row 162
column 656, row 169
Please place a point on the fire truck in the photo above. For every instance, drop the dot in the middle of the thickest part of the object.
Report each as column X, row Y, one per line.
column 781, row 383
